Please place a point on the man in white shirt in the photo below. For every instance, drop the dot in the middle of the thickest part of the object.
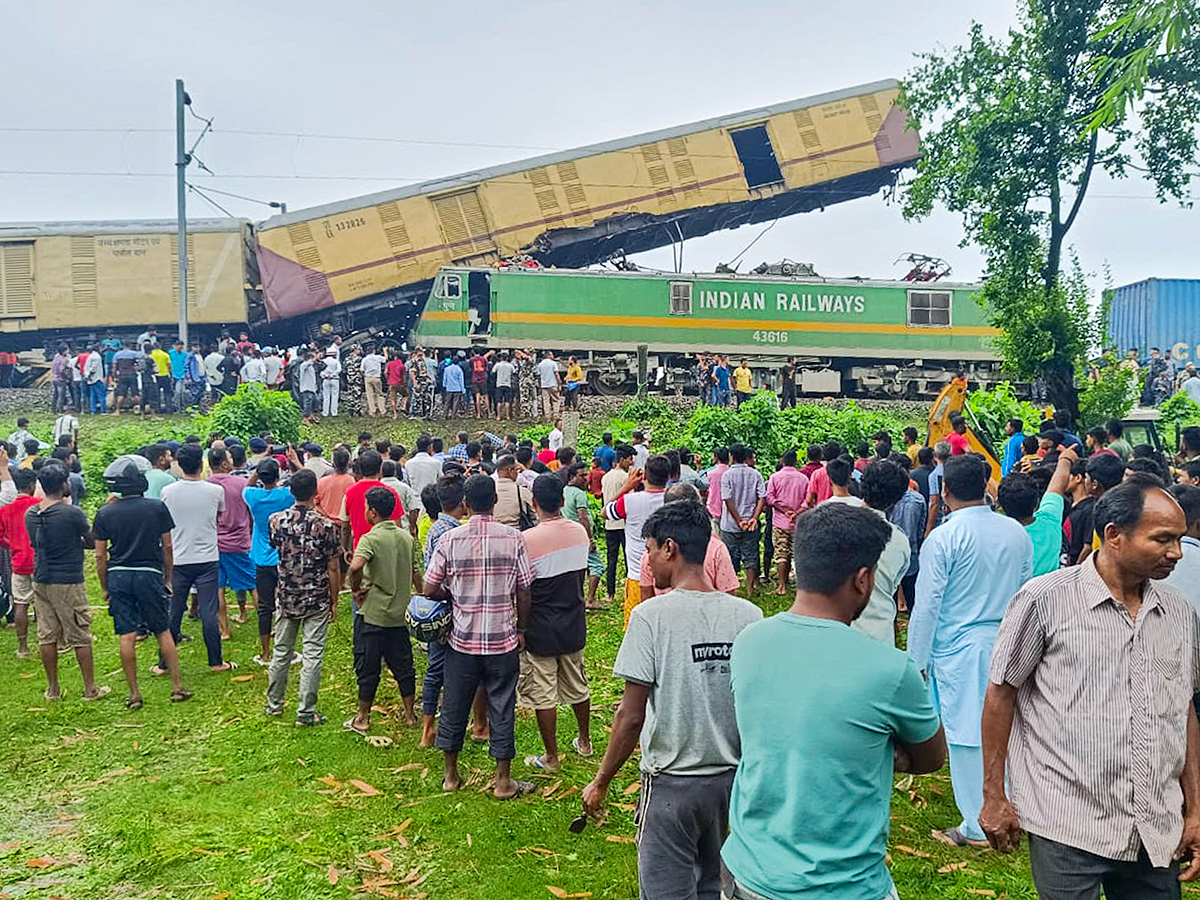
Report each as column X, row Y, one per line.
column 372, row 368
column 93, row 374
column 316, row 462
column 66, row 424
column 212, row 369
column 883, row 484
column 556, row 436
column 307, row 383
column 549, row 386
column 273, row 363
column 1191, row 384
column 254, row 371
column 503, row 371
column 331, row 382
column 1185, row 577
column 194, row 505
column 423, row 469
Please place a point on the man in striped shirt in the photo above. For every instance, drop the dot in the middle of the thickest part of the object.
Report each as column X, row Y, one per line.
column 482, row 567
column 1094, row 667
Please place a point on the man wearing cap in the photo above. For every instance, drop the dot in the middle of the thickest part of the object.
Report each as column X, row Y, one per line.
column 258, row 451
column 134, row 563
column 315, row 461
column 331, row 382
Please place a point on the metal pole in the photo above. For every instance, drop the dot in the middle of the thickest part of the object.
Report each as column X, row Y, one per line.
column 181, row 163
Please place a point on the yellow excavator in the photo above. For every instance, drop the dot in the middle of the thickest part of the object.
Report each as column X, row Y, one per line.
column 950, row 403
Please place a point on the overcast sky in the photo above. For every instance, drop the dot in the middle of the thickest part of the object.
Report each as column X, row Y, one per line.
column 452, row 87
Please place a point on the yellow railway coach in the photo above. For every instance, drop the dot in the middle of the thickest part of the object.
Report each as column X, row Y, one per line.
column 74, row 280
column 370, row 260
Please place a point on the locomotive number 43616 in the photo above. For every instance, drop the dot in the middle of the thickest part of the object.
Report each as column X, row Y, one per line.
column 771, row 337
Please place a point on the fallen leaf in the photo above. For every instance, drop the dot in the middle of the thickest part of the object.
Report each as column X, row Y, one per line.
column 632, row 789
column 905, row 783
column 204, row 852
column 952, row 867
column 628, row 807
column 224, row 895
column 365, row 788
column 557, row 891
column 620, row 839
column 573, row 789
column 407, row 767
column 380, row 856
column 300, row 762
column 469, row 841
column 62, row 829
column 980, row 892
column 912, row 851
column 424, row 771
column 13, row 845
column 413, row 874
column 579, row 895
column 550, row 789
column 403, row 825
column 243, row 849
column 242, row 678
column 331, row 781
column 26, row 674
column 42, row 862
column 332, row 874
column 304, row 837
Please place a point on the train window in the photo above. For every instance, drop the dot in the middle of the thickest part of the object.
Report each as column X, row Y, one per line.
column 681, row 298
column 929, row 308
column 754, row 150
column 451, row 286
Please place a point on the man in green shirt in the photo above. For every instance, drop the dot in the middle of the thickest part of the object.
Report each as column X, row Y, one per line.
column 576, row 509
column 159, row 475
column 382, row 577
column 1116, row 439
column 1042, row 516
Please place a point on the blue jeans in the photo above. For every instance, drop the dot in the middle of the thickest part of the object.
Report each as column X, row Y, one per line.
column 98, row 395
column 435, row 675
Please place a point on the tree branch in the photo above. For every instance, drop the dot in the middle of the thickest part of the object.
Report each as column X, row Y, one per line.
column 1083, row 183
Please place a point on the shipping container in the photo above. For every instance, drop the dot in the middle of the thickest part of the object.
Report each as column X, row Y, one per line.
column 1157, row 312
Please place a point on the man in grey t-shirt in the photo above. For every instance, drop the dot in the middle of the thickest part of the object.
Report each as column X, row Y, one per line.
column 674, row 660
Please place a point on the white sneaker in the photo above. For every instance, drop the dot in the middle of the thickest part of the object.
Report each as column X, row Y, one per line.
column 257, row 659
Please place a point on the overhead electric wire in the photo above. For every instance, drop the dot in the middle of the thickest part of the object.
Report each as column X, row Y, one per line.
column 203, row 196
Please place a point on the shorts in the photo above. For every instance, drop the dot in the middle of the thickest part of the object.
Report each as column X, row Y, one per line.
column 236, row 572
column 547, row 681
column 743, row 548
column 503, row 394
column 127, row 386
column 63, row 617
column 783, row 539
column 633, row 596
column 398, row 390
column 137, row 597
column 22, row 588
column 595, row 564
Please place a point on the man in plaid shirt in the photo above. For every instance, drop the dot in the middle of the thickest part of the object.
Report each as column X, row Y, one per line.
column 482, row 567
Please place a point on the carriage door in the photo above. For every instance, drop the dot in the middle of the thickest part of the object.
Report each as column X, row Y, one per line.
column 479, row 302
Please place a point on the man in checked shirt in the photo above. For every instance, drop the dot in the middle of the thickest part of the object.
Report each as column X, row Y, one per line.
column 1092, row 679
column 483, row 569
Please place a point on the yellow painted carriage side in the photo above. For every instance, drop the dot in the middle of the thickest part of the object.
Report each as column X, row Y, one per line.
column 350, row 251
column 111, row 280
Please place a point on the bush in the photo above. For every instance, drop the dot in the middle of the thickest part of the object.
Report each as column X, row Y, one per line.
column 253, row 410
column 1179, row 410
column 102, row 447
column 993, row 408
column 1109, row 393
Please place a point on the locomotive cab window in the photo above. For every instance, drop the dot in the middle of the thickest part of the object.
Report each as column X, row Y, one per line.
column 681, row 298
column 929, row 309
column 451, row 287
column 757, row 156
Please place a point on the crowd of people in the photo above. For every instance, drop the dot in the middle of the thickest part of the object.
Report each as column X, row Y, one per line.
column 329, row 378
column 1052, row 626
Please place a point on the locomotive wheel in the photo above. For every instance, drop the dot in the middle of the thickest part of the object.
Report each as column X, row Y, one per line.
column 608, row 384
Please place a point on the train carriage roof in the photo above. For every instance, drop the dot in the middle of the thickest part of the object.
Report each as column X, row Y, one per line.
column 123, row 226
column 469, row 178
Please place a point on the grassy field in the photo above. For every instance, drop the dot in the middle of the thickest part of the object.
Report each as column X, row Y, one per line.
column 212, row 799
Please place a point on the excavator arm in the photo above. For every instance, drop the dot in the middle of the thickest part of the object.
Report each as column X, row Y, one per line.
column 953, row 401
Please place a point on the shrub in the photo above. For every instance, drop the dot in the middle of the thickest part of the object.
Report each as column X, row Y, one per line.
column 1109, row 393
column 103, row 446
column 253, row 410
column 1177, row 411
column 993, row 408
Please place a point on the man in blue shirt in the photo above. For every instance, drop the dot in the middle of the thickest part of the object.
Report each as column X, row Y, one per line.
column 453, row 386
column 262, row 502
column 971, row 566
column 1015, row 429
column 606, row 453
column 720, row 374
column 179, row 359
column 822, row 706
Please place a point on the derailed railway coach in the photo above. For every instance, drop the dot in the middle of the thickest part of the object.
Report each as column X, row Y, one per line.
column 870, row 338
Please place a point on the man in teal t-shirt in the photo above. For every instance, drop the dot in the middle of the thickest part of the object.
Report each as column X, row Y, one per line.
column 1042, row 517
column 823, row 711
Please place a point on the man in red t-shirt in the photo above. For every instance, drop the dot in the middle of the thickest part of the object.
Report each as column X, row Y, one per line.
column 354, row 505
column 958, row 437
column 15, row 537
column 479, row 382
column 396, row 382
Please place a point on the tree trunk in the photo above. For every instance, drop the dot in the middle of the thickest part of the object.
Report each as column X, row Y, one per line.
column 1060, row 388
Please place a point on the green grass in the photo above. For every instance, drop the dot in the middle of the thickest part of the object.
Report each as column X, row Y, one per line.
column 211, row 799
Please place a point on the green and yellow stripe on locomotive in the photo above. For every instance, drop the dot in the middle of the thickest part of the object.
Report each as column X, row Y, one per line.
column 861, row 329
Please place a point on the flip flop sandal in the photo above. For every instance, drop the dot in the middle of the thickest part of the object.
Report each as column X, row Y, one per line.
column 309, row 721
column 228, row 666
column 379, row 741
column 539, row 763
column 524, row 788
column 348, row 725
column 575, row 747
column 274, row 713
column 180, row 696
column 61, row 696
column 133, row 702
column 102, row 691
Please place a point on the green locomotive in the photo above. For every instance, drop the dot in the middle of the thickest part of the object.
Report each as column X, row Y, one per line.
column 874, row 338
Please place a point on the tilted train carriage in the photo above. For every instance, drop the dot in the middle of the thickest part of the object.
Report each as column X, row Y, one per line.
column 890, row 338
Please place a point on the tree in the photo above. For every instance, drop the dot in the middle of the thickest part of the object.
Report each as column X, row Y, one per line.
column 1005, row 146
